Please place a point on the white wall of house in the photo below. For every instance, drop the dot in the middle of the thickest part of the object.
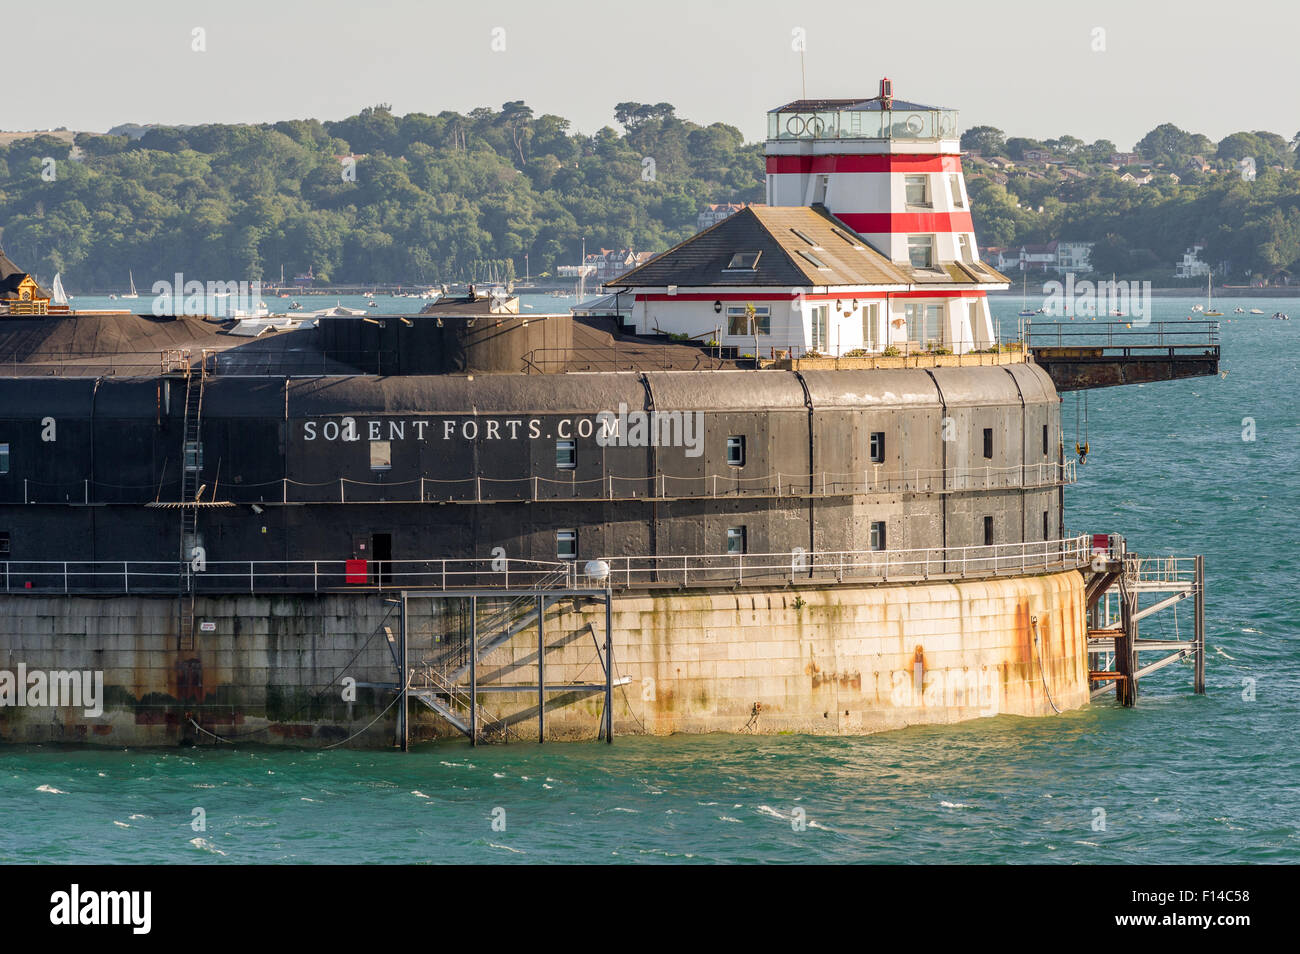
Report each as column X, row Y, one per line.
column 856, row 319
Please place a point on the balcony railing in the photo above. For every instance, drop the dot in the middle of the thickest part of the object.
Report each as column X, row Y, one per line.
column 343, row 490
column 690, row 570
column 1104, row 338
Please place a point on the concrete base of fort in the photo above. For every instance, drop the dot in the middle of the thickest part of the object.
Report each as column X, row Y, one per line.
column 842, row 659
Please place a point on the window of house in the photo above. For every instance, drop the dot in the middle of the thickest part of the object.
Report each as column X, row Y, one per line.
column 920, row 250
column 4, row 458
column 735, row 539
column 736, row 451
column 925, row 324
column 738, row 320
column 964, row 248
column 877, row 447
column 988, row 531
column 193, row 455
column 878, row 535
column 813, row 260
column 381, row 455
column 566, row 544
column 954, row 184
column 566, row 454
column 4, row 543
column 821, row 317
column 806, row 237
column 918, row 190
column 820, row 188
column 847, row 238
column 744, row 261
column 988, row 443
column 871, row 327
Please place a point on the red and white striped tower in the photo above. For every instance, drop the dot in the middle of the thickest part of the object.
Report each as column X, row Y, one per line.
column 891, row 170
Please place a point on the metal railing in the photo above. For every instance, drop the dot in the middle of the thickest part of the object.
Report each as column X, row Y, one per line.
column 1122, row 338
column 839, row 566
column 661, row 486
column 690, row 570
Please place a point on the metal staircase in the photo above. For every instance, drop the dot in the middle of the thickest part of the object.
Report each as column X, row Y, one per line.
column 449, row 675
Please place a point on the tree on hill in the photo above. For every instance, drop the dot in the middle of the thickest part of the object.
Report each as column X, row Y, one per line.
column 986, row 140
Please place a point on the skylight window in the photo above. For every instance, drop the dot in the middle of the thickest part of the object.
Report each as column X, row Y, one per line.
column 848, row 238
column 804, row 236
column 817, row 262
column 744, row 261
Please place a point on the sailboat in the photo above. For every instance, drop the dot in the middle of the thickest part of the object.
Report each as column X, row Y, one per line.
column 133, row 293
column 58, row 295
column 1025, row 311
column 1209, row 299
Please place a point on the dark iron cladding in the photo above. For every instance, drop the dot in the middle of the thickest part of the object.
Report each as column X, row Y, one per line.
column 538, row 466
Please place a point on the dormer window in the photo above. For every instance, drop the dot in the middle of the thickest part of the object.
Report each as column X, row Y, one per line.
column 744, row 261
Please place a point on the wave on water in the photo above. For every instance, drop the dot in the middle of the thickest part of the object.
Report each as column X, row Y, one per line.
column 51, row 789
column 204, row 845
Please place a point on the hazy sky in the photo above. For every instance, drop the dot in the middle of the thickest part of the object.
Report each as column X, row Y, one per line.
column 1026, row 67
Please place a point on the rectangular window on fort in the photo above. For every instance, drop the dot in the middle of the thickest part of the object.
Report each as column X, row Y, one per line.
column 1044, row 440
column 738, row 320
column 566, row 454
column 736, row 540
column 381, row 455
column 918, row 190
column 566, row 544
column 736, row 451
column 878, row 535
column 988, row 531
column 4, row 458
column 920, row 250
column 988, row 443
column 954, row 183
column 1044, row 524
column 4, row 543
column 877, row 447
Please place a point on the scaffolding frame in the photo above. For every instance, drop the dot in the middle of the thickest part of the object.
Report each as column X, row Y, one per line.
column 441, row 698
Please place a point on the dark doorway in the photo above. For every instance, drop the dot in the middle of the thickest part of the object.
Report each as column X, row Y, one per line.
column 381, row 552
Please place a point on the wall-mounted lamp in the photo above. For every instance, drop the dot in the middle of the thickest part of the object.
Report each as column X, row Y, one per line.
column 717, row 307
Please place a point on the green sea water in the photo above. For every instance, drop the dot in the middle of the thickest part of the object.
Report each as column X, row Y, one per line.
column 1181, row 778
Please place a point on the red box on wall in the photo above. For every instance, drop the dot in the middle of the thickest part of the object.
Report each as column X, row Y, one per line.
column 356, row 571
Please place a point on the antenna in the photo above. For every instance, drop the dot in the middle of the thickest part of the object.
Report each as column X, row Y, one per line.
column 803, row 79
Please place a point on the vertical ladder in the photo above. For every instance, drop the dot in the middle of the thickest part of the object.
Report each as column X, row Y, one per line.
column 191, row 471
